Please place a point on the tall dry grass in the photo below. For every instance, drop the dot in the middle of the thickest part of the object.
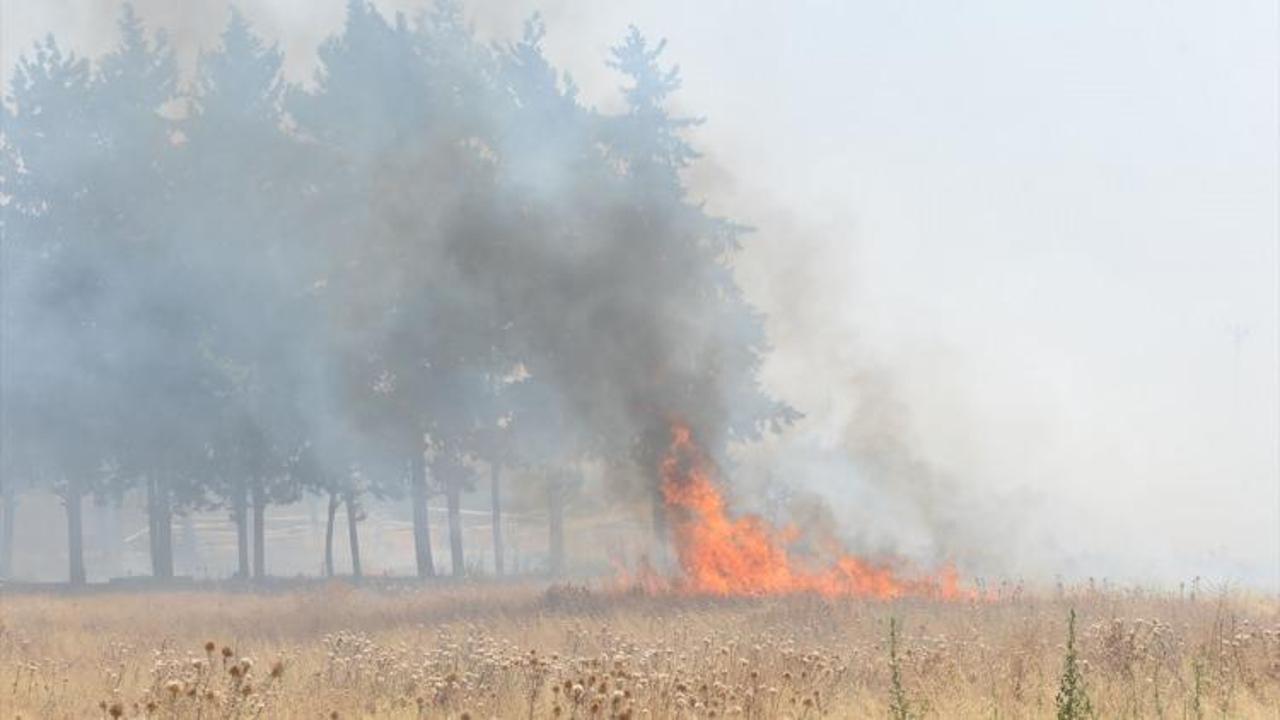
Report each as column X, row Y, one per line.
column 523, row 651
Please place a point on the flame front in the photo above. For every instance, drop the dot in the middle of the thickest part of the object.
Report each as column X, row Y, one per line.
column 721, row 555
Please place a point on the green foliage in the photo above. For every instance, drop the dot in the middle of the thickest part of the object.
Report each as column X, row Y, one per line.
column 434, row 247
column 1072, row 700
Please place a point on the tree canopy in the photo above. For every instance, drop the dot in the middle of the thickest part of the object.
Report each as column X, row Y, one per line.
column 242, row 287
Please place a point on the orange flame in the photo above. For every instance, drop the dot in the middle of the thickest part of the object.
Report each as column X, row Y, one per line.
column 721, row 555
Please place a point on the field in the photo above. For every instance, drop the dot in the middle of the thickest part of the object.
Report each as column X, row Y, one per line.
column 516, row 651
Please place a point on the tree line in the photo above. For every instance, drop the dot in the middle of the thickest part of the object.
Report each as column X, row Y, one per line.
column 431, row 263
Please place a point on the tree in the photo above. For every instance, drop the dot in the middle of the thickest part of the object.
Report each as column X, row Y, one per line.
column 491, row 442
column 153, row 348
column 339, row 487
column 712, row 386
column 369, row 93
column 241, row 190
column 544, row 440
column 460, row 401
column 54, row 409
column 437, row 259
column 394, row 110
column 10, row 164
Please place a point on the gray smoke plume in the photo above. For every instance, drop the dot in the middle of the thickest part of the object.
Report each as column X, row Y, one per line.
column 1028, row 311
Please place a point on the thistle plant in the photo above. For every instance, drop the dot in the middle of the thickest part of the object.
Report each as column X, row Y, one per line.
column 1072, row 700
column 899, row 708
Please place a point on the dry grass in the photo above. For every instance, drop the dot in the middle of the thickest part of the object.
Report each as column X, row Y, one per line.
column 518, row 652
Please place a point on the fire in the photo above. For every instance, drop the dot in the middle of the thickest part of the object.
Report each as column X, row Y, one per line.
column 723, row 555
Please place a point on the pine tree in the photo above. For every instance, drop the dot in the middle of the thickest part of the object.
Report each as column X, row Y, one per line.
column 154, row 347
column 395, row 110
column 711, row 382
column 55, row 274
column 243, row 183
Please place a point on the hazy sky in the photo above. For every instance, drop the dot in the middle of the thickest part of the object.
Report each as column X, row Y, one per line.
column 1048, row 232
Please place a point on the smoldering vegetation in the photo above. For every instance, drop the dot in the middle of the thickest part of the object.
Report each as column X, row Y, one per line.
column 433, row 262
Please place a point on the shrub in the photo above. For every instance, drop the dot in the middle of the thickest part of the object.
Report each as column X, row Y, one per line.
column 1072, row 701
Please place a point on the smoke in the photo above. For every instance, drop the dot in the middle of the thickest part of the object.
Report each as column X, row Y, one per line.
column 1001, row 281
column 876, row 461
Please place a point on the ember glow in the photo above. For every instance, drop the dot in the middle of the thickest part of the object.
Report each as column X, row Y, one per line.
column 723, row 555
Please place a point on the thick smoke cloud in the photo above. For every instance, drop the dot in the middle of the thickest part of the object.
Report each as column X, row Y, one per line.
column 1017, row 276
column 432, row 250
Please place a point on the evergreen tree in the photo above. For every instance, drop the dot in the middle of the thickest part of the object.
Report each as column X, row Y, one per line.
column 436, row 258
column 242, row 185
column 156, row 326
column 389, row 109
column 55, row 272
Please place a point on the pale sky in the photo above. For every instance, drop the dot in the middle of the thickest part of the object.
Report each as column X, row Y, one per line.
column 1049, row 228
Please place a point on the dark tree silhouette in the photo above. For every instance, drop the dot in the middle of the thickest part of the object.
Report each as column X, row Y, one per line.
column 434, row 260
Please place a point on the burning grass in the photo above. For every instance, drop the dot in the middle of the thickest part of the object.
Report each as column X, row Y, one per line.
column 485, row 651
column 727, row 556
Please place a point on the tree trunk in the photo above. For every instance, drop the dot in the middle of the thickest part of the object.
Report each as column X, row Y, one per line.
column 555, row 524
column 153, row 532
column 328, row 535
column 353, row 535
column 259, row 529
column 421, row 520
column 112, row 539
column 516, row 567
column 7, row 521
column 160, row 527
column 495, row 477
column 165, row 520
column 75, row 531
column 190, row 545
column 453, row 492
column 240, row 513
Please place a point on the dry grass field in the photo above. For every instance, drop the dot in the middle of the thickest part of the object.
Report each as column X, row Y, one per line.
column 521, row 651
